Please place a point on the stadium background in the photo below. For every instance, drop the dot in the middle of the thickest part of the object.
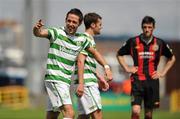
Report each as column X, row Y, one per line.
column 23, row 56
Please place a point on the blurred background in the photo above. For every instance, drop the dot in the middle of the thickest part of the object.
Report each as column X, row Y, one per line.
column 23, row 56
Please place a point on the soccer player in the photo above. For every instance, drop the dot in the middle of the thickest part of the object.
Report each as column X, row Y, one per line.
column 89, row 100
column 146, row 50
column 65, row 45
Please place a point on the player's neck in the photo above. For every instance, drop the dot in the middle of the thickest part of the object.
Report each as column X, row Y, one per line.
column 90, row 32
column 147, row 37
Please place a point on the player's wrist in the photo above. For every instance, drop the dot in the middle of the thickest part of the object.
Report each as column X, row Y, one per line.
column 80, row 83
column 106, row 66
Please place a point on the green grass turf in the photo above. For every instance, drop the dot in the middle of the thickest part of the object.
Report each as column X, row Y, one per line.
column 40, row 114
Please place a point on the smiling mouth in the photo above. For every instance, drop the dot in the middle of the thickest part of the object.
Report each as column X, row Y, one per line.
column 71, row 28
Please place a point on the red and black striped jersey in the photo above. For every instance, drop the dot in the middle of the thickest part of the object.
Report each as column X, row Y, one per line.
column 145, row 56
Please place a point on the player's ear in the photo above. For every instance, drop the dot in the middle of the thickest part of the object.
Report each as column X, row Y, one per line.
column 93, row 25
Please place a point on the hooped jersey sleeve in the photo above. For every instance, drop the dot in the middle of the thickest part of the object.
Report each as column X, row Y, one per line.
column 91, row 43
column 86, row 45
column 85, row 51
column 52, row 34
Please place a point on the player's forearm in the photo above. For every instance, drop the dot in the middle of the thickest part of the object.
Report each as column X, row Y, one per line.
column 40, row 32
column 99, row 58
column 80, row 65
column 168, row 65
column 80, row 76
column 106, row 67
column 122, row 62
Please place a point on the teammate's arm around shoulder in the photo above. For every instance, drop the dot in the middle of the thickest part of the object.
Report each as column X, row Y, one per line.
column 39, row 31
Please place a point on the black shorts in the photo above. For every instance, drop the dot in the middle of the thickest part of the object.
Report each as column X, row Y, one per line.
column 147, row 91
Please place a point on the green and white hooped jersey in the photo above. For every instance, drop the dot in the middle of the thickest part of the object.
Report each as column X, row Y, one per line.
column 62, row 54
column 89, row 66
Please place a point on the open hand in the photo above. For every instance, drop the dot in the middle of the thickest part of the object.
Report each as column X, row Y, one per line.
column 132, row 69
column 157, row 75
column 103, row 84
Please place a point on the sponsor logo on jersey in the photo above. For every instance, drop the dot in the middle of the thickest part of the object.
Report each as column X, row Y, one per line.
column 146, row 55
column 69, row 51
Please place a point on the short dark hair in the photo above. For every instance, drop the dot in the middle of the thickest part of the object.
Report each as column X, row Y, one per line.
column 77, row 12
column 147, row 20
column 90, row 18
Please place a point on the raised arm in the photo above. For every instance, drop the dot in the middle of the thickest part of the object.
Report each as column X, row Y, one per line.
column 39, row 31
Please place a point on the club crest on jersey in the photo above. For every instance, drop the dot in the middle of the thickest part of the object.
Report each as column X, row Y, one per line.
column 137, row 47
column 155, row 47
column 78, row 43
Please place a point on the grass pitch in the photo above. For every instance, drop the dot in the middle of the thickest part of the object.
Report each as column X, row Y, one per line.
column 40, row 114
